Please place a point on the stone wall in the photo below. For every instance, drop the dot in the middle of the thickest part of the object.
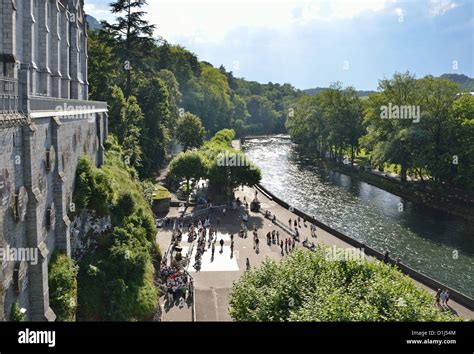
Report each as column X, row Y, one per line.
column 43, row 71
column 42, row 158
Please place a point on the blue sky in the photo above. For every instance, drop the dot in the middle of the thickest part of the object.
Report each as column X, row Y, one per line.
column 311, row 43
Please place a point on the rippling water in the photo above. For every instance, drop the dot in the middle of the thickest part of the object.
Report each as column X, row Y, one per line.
column 433, row 242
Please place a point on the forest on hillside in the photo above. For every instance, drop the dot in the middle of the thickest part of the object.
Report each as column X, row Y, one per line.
column 149, row 94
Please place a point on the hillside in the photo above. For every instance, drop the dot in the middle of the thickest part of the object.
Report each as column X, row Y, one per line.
column 465, row 82
column 93, row 23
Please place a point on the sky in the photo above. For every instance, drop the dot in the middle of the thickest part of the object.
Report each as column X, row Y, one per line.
column 313, row 43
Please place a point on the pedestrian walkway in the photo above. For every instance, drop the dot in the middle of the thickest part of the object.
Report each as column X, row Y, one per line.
column 214, row 280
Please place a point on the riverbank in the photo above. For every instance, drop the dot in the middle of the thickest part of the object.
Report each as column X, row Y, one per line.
column 421, row 279
column 445, row 202
column 408, row 192
column 427, row 241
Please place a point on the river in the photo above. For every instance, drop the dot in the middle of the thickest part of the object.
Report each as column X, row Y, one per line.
column 433, row 242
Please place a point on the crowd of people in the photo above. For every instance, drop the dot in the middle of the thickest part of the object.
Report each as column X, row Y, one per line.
column 177, row 283
column 206, row 236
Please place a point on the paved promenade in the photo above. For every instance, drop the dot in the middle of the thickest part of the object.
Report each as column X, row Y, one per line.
column 216, row 277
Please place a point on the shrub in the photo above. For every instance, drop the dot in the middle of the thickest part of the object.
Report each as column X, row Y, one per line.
column 94, row 189
column 62, row 287
column 116, row 281
column 15, row 314
column 125, row 207
column 307, row 286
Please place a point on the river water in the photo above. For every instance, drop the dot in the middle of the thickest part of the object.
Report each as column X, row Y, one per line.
column 433, row 242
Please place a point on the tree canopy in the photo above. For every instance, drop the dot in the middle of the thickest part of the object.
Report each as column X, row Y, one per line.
column 189, row 131
column 310, row 286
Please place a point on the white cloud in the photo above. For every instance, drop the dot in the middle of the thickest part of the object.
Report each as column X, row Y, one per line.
column 440, row 7
column 99, row 12
column 211, row 20
column 330, row 10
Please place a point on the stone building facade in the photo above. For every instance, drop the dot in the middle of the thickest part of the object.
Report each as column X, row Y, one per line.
column 46, row 124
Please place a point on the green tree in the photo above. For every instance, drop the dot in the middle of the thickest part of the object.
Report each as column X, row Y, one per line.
column 174, row 98
column 391, row 140
column 436, row 98
column 63, row 287
column 189, row 131
column 16, row 315
column 462, row 133
column 262, row 115
column 228, row 168
column 94, row 190
column 103, row 66
column 310, row 286
column 187, row 165
column 209, row 98
column 154, row 101
column 133, row 34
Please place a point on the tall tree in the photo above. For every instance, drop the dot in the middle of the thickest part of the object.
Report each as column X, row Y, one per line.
column 133, row 34
column 392, row 140
column 103, row 66
column 174, row 97
column 154, row 100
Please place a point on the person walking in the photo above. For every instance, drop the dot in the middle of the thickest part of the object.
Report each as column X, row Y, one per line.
column 278, row 237
column 447, row 297
column 438, row 296
column 289, row 223
column 257, row 245
column 443, row 297
column 247, row 263
column 213, row 249
column 222, row 245
column 223, row 211
column 231, row 249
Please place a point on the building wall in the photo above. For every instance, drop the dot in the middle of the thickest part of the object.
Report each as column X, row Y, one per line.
column 50, row 37
column 43, row 48
column 23, row 156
